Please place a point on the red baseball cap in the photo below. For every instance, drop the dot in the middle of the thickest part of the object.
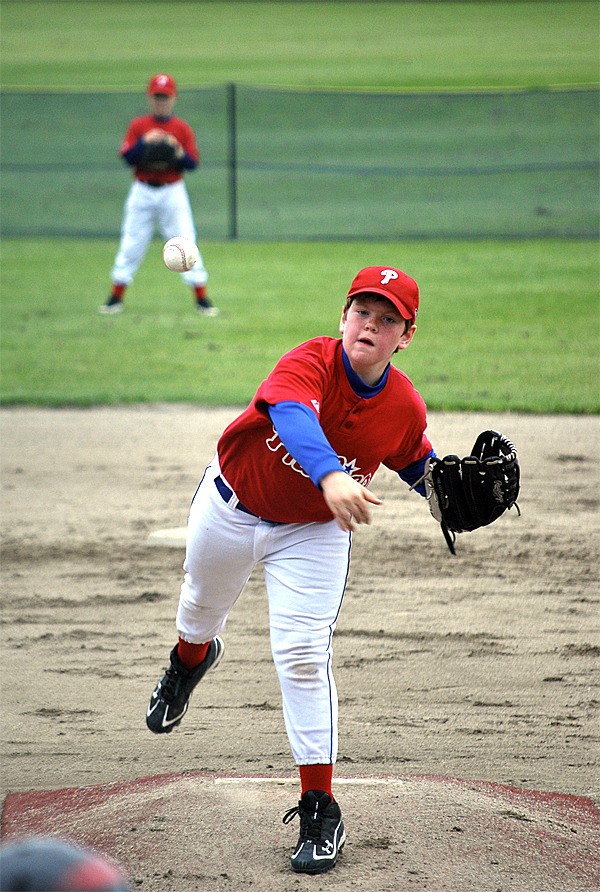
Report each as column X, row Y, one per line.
column 162, row 83
column 392, row 283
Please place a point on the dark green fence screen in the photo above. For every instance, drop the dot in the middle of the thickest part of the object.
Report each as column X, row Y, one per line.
column 293, row 164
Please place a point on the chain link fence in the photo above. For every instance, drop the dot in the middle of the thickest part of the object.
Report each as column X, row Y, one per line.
column 302, row 164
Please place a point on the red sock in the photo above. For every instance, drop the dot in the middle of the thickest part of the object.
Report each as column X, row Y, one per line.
column 316, row 777
column 200, row 291
column 191, row 655
column 118, row 290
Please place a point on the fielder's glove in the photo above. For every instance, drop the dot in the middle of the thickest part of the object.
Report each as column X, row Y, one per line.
column 472, row 492
column 160, row 155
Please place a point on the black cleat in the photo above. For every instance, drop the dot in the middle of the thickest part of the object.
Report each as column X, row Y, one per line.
column 322, row 835
column 170, row 699
column 205, row 307
column 113, row 305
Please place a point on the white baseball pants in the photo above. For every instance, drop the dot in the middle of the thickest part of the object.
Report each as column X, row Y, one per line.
column 305, row 569
column 147, row 209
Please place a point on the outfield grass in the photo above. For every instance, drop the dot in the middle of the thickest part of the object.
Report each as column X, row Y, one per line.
column 503, row 326
column 423, row 45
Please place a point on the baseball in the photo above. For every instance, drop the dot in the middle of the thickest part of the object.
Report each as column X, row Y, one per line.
column 180, row 254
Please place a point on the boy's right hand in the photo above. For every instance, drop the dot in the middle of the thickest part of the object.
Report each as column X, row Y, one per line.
column 347, row 500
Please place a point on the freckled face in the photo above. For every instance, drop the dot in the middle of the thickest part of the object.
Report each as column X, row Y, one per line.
column 372, row 331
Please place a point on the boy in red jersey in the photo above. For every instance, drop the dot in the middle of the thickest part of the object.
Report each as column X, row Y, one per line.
column 159, row 147
column 287, row 487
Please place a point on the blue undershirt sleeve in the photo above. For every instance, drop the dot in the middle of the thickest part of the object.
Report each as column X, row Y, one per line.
column 188, row 163
column 300, row 432
column 133, row 155
column 414, row 472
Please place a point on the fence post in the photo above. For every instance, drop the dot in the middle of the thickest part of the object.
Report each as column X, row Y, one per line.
column 232, row 159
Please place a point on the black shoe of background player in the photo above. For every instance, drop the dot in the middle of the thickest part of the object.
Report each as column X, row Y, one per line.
column 205, row 307
column 322, row 835
column 113, row 305
column 170, row 699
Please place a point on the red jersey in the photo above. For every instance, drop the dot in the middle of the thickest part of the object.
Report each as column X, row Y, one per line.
column 388, row 429
column 179, row 128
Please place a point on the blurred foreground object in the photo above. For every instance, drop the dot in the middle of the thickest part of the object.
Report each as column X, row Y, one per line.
column 48, row 864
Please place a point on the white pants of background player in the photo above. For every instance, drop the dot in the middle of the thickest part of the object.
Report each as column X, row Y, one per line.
column 147, row 209
column 305, row 570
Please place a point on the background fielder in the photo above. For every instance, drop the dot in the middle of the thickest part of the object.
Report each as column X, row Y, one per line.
column 159, row 147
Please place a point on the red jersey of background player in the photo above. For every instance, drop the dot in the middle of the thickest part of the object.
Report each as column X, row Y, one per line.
column 131, row 148
column 387, row 428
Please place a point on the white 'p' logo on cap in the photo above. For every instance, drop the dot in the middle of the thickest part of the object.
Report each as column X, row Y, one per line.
column 387, row 275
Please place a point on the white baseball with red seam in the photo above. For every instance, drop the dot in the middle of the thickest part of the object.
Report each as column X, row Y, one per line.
column 180, row 254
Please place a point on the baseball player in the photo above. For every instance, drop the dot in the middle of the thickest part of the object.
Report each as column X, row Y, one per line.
column 159, row 147
column 287, row 487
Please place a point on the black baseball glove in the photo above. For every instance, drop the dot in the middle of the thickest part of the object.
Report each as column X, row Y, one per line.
column 472, row 492
column 159, row 156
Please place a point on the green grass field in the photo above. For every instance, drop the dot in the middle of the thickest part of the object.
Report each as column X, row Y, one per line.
column 413, row 45
column 509, row 326
column 503, row 326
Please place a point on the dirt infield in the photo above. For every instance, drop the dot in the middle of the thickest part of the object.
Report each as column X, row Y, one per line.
column 481, row 667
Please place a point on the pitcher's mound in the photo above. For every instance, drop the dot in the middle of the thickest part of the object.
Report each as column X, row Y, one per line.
column 203, row 833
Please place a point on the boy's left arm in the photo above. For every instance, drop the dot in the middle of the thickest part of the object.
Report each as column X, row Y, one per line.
column 414, row 474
